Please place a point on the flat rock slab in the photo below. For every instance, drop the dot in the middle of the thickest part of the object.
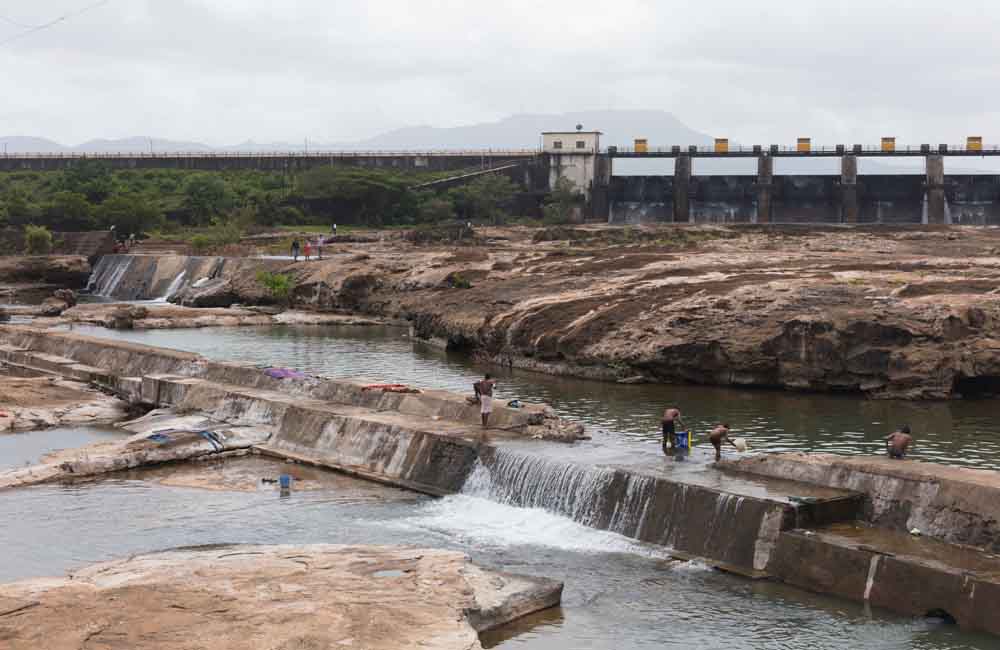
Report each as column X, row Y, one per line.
column 28, row 403
column 270, row 598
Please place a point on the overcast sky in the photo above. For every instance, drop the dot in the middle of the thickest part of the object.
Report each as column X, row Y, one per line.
column 223, row 71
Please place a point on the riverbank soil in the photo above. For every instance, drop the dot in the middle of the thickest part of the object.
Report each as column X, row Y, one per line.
column 39, row 402
column 270, row 598
column 900, row 313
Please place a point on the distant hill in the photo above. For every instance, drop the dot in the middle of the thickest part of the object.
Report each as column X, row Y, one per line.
column 27, row 144
column 522, row 131
column 515, row 132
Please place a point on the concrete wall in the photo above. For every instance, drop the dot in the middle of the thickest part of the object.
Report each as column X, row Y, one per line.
column 953, row 504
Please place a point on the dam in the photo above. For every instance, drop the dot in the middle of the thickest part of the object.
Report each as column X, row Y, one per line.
column 750, row 520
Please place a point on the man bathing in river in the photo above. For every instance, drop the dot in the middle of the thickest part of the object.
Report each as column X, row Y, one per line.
column 719, row 435
column 484, row 395
column 898, row 442
column 671, row 420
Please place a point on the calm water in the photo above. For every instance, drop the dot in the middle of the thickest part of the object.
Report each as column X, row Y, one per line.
column 962, row 432
column 28, row 447
column 618, row 594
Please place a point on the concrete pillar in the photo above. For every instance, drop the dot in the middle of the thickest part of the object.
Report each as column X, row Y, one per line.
column 935, row 189
column 765, row 188
column 849, row 189
column 682, row 185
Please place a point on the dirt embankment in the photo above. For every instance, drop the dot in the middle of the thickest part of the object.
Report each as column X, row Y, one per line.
column 904, row 313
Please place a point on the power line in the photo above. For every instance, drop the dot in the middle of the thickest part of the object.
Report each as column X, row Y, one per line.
column 55, row 21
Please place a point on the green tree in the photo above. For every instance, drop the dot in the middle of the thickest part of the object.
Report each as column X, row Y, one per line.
column 37, row 240
column 372, row 196
column 205, row 196
column 17, row 208
column 69, row 211
column 435, row 209
column 129, row 213
column 92, row 178
column 562, row 202
column 483, row 199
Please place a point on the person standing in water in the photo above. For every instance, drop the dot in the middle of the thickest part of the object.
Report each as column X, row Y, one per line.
column 671, row 420
column 484, row 394
column 719, row 435
column 898, row 443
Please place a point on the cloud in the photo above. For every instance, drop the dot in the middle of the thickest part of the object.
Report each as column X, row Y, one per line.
column 226, row 70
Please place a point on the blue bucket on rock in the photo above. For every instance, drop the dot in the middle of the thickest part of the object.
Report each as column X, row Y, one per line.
column 682, row 439
column 285, row 482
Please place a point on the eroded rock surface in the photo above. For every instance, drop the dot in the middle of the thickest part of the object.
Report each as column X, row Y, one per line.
column 270, row 598
column 40, row 402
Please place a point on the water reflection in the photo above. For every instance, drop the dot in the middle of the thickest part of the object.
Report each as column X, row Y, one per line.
column 958, row 432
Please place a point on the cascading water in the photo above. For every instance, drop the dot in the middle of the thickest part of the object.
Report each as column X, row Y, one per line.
column 690, row 518
column 174, row 287
column 108, row 274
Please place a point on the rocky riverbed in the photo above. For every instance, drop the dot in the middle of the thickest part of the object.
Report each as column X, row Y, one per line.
column 39, row 402
column 270, row 598
column 907, row 313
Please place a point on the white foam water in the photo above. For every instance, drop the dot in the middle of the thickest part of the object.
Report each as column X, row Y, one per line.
column 486, row 523
column 174, row 287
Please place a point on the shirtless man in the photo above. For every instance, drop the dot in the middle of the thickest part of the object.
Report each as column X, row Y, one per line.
column 484, row 393
column 671, row 420
column 898, row 442
column 719, row 435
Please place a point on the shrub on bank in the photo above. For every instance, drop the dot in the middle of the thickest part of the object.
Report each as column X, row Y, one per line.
column 37, row 240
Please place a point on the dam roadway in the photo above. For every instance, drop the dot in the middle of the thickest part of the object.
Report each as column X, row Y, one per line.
column 841, row 529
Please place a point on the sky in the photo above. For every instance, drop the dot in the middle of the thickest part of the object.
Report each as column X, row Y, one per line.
column 225, row 71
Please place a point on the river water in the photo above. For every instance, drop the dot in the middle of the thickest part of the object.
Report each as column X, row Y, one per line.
column 618, row 416
column 619, row 593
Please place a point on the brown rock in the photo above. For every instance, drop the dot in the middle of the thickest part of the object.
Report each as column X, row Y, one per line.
column 270, row 598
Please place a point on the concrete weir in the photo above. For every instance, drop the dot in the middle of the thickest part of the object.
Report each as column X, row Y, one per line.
column 829, row 524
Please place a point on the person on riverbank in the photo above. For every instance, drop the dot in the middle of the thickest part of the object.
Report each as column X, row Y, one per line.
column 671, row 420
column 295, row 249
column 484, row 395
column 898, row 443
column 719, row 435
column 319, row 247
column 307, row 250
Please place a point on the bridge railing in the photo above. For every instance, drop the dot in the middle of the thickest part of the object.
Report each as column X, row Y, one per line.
column 409, row 153
column 861, row 150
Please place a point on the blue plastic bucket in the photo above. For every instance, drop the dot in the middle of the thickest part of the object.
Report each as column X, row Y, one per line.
column 285, row 482
column 682, row 440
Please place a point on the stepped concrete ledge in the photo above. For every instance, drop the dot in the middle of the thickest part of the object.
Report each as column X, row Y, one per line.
column 268, row 597
column 953, row 504
column 911, row 575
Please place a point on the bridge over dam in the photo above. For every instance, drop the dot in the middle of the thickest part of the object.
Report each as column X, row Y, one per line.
column 686, row 190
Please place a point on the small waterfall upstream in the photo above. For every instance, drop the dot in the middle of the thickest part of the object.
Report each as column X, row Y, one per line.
column 174, row 287
column 108, row 274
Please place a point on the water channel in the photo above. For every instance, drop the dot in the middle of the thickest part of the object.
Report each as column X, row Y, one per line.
column 620, row 417
column 619, row 593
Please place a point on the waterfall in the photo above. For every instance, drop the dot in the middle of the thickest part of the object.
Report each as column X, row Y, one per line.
column 574, row 491
column 108, row 274
column 689, row 518
column 174, row 287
